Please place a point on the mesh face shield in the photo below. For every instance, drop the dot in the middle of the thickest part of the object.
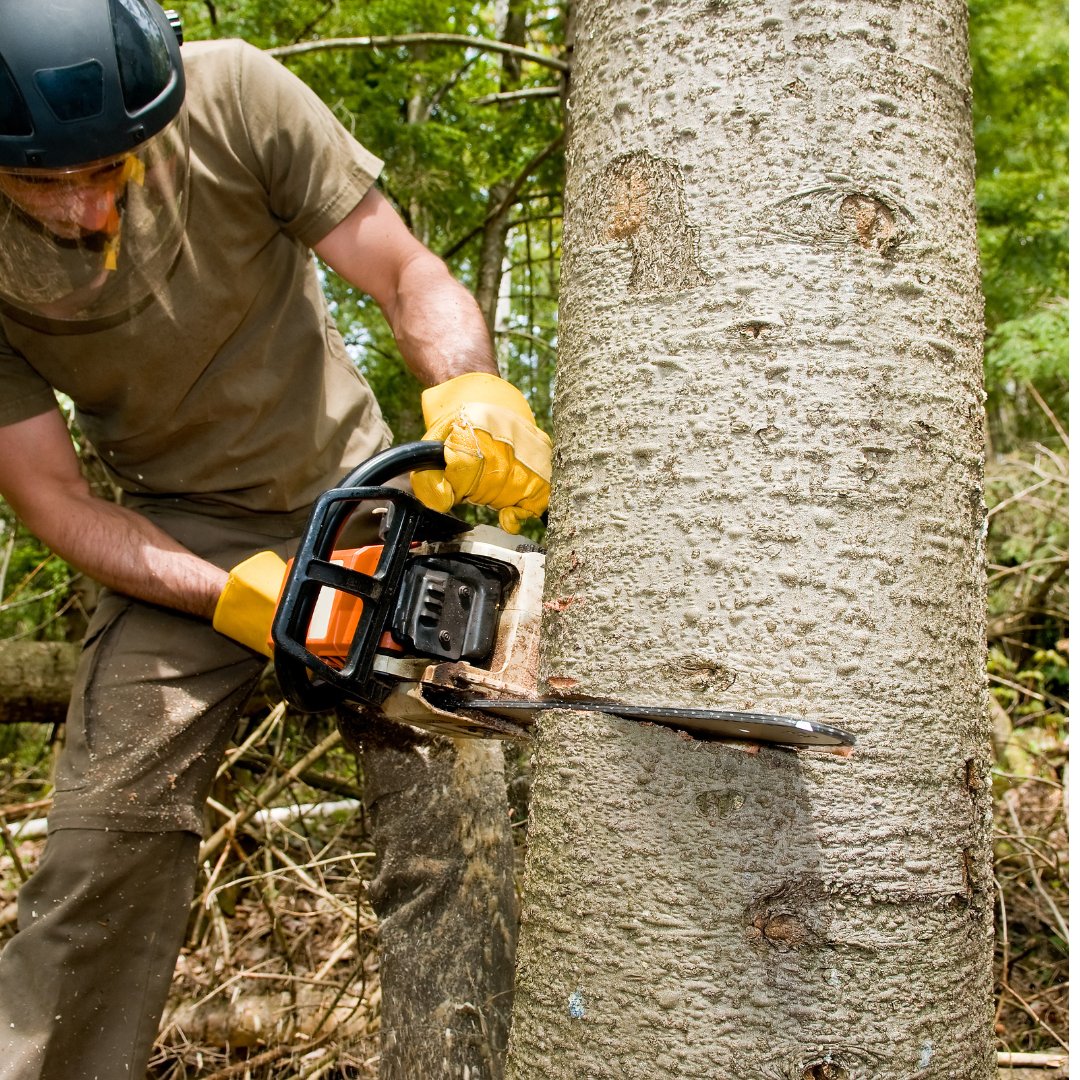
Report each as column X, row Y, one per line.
column 94, row 242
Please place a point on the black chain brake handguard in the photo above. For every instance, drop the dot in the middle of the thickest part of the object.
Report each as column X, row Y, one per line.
column 310, row 683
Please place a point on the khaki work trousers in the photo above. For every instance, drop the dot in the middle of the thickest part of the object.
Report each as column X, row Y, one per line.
column 84, row 981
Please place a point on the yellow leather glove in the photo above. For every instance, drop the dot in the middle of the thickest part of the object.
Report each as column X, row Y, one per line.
column 495, row 454
column 247, row 604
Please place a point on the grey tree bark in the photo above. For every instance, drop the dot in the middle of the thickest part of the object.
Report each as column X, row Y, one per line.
column 767, row 496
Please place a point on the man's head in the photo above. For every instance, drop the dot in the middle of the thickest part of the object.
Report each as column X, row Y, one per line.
column 93, row 154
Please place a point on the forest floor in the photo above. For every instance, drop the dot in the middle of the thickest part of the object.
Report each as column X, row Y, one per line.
column 279, row 977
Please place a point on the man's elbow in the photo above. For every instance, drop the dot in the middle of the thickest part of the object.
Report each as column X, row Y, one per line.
column 48, row 508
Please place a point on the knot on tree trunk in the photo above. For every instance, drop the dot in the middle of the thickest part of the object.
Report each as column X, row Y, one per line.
column 646, row 208
column 825, row 1070
column 872, row 220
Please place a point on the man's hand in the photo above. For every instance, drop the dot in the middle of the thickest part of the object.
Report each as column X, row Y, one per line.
column 245, row 609
column 495, row 454
column 245, row 612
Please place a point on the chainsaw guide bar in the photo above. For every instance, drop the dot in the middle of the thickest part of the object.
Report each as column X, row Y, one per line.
column 719, row 723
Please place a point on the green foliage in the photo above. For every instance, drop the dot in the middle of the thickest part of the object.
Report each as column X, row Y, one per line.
column 35, row 585
column 1033, row 348
column 1020, row 91
column 24, row 763
column 1027, row 549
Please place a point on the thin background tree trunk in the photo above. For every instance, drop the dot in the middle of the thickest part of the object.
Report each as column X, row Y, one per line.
column 768, row 496
column 492, row 252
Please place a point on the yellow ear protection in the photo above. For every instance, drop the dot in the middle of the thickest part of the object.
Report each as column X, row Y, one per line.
column 133, row 171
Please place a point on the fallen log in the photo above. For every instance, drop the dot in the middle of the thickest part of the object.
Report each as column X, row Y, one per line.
column 36, row 678
column 35, row 681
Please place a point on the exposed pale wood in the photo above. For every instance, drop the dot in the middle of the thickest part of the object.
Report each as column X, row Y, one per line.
column 1012, row 1062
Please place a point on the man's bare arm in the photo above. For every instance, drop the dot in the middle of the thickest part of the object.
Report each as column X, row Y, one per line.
column 41, row 480
column 435, row 320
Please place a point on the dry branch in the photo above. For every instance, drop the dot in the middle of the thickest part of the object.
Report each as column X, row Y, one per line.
column 511, row 193
column 530, row 93
column 260, row 802
column 1032, row 1061
column 260, row 763
column 392, row 41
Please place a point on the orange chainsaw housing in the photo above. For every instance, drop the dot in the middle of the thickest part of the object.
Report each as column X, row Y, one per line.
column 337, row 614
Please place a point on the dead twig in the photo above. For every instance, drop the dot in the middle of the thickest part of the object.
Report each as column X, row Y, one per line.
column 1036, row 1017
column 261, row 733
column 291, row 868
column 268, row 1057
column 1050, row 414
column 12, row 850
column 17, row 811
column 263, row 798
column 1036, row 877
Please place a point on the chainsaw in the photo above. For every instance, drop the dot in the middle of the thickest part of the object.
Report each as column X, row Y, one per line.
column 438, row 625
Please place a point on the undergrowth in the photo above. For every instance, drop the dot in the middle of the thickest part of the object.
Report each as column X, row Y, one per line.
column 1028, row 665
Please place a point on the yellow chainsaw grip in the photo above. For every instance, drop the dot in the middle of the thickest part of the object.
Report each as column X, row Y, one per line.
column 495, row 454
column 245, row 609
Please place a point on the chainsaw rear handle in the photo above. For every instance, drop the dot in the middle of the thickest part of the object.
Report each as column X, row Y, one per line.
column 308, row 682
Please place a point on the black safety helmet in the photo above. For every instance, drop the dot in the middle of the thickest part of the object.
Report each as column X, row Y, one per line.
column 82, row 80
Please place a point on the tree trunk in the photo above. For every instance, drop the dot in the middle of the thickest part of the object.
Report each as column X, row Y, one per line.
column 444, row 895
column 767, row 496
column 492, row 254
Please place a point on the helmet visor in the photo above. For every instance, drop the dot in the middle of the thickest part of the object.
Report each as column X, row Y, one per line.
column 96, row 241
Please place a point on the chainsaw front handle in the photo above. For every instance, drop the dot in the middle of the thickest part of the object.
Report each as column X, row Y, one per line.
column 394, row 462
column 308, row 682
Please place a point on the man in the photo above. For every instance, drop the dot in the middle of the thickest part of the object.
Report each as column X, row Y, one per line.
column 157, row 218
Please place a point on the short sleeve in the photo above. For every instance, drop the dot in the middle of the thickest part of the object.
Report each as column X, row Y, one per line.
column 313, row 170
column 23, row 392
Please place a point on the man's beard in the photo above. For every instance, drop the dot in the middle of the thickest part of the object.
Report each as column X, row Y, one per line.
column 96, row 241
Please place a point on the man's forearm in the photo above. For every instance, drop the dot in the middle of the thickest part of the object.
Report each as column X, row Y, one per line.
column 126, row 552
column 438, row 326
column 435, row 320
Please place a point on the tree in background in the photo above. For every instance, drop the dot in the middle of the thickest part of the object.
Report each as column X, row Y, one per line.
column 767, row 496
column 1020, row 80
